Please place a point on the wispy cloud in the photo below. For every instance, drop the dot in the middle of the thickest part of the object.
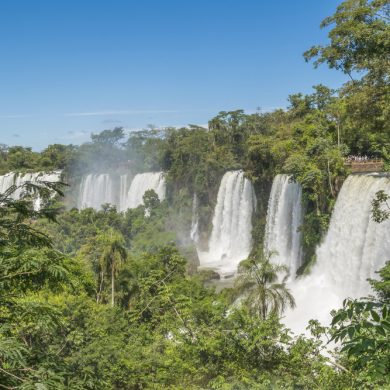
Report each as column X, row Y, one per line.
column 121, row 112
column 110, row 121
column 15, row 116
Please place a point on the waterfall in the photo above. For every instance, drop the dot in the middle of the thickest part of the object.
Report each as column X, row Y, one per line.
column 6, row 181
column 96, row 190
column 194, row 234
column 18, row 179
column 143, row 182
column 231, row 236
column 118, row 190
column 123, row 191
column 353, row 249
column 284, row 217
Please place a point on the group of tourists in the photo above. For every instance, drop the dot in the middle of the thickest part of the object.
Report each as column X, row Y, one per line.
column 356, row 158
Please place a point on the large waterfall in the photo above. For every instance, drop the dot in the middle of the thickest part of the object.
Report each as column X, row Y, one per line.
column 353, row 249
column 143, row 182
column 18, row 179
column 96, row 190
column 118, row 190
column 284, row 217
column 231, row 236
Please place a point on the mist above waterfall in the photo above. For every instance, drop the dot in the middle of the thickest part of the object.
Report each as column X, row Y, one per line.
column 231, row 236
column 353, row 249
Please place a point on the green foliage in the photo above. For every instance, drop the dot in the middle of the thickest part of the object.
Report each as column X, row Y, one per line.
column 359, row 43
column 380, row 207
column 258, row 286
column 59, row 273
column 30, row 269
column 359, row 39
column 362, row 328
column 21, row 159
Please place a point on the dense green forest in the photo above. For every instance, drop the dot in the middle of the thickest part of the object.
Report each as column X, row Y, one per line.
column 112, row 300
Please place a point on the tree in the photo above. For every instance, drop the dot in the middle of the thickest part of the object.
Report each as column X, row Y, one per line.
column 151, row 201
column 57, row 156
column 28, row 266
column 19, row 157
column 258, row 284
column 363, row 328
column 112, row 253
column 359, row 46
column 381, row 206
column 359, row 39
column 109, row 137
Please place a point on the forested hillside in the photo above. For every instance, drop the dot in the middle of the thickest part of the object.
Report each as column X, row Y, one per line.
column 113, row 299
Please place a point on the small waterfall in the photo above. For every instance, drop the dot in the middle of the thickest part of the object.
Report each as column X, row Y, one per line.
column 124, row 189
column 194, row 234
column 6, row 181
column 284, row 217
column 353, row 249
column 231, row 237
column 18, row 179
column 96, row 190
column 143, row 182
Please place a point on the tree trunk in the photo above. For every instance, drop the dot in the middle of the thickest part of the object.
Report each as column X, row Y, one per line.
column 330, row 181
column 112, row 285
column 338, row 134
column 99, row 293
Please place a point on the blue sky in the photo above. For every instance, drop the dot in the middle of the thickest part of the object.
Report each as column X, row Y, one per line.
column 69, row 68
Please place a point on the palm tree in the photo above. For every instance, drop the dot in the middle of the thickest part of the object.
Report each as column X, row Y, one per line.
column 258, row 283
column 112, row 253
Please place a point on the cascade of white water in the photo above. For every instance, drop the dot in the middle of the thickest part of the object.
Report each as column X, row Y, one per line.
column 284, row 217
column 123, row 191
column 231, row 238
column 18, row 179
column 143, row 182
column 6, row 181
column 96, row 190
column 353, row 249
column 194, row 234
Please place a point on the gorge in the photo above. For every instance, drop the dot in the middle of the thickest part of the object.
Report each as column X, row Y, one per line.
column 352, row 250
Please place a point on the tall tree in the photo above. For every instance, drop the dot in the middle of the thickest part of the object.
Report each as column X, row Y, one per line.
column 112, row 253
column 359, row 39
column 263, row 293
column 360, row 46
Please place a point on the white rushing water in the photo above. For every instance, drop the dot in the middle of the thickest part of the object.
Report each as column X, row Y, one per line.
column 143, row 182
column 353, row 249
column 284, row 217
column 231, row 237
column 18, row 179
column 122, row 191
column 124, row 185
column 194, row 234
column 96, row 190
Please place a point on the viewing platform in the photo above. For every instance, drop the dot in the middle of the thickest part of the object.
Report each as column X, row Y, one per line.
column 361, row 165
